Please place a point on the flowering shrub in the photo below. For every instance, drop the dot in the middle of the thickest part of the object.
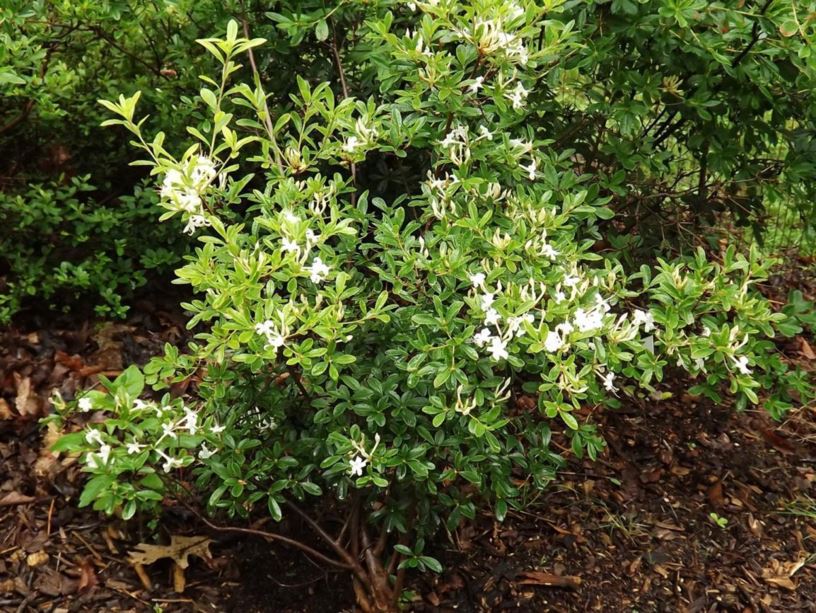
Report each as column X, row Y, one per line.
column 405, row 344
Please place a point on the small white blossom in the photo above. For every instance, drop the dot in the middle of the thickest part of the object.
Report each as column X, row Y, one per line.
column 486, row 301
column 351, row 144
column 134, row 448
column 217, row 429
column 93, row 437
column 170, row 464
column 644, row 318
column 357, row 465
column 104, row 453
column 205, row 453
column 492, row 317
column 586, row 321
column 741, row 364
column 531, row 170
column 167, row 430
column 482, row 337
column 609, row 382
column 498, row 349
column 559, row 297
column 289, row 246
column 85, row 404
column 265, row 328
column 518, row 96
column 477, row 279
column 515, row 324
column 706, row 331
column 476, row 85
column 194, row 223
column 571, row 280
column 549, row 251
column 485, row 133
column 553, row 342
column 318, row 271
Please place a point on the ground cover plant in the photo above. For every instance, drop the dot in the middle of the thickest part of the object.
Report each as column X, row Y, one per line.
column 407, row 277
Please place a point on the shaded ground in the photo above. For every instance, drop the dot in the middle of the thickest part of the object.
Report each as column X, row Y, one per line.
column 632, row 531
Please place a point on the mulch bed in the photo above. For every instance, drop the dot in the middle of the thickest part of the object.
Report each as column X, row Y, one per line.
column 631, row 531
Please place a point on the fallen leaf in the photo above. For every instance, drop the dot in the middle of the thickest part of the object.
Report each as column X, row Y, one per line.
column 178, row 550
column 5, row 410
column 87, row 577
column 25, row 403
column 13, row 498
column 715, row 495
column 538, row 577
column 806, row 350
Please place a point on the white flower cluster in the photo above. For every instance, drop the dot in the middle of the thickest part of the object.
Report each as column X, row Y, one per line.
column 363, row 457
column 173, row 424
column 496, row 344
column 363, row 136
column 274, row 332
column 491, row 37
column 183, row 190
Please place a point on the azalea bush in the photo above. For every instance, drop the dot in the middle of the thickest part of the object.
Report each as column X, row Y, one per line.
column 402, row 298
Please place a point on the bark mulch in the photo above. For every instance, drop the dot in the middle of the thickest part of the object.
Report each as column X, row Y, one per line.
column 634, row 531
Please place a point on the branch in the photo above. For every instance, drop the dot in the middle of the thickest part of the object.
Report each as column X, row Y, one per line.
column 344, row 87
column 754, row 36
column 272, row 536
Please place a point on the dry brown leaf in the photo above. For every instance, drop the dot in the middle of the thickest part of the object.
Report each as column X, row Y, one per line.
column 87, row 578
column 178, row 550
column 5, row 410
column 806, row 350
column 538, row 577
column 26, row 403
column 14, row 498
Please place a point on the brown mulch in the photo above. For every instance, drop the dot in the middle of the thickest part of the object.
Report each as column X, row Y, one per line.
column 631, row 531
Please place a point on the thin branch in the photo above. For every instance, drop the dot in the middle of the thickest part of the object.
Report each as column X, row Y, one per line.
column 344, row 87
column 272, row 536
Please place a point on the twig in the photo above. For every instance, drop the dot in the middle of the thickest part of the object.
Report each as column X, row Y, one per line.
column 344, row 87
column 270, row 536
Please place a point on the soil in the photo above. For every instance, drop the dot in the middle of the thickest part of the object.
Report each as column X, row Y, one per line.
column 636, row 530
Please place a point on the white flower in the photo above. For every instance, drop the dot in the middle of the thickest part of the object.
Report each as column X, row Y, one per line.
column 531, row 170
column 492, row 317
column 549, row 251
column 205, row 453
column 140, row 405
column 85, row 404
column 265, row 328
column 188, row 200
column 351, row 144
column 90, row 460
column 203, row 172
column 485, row 133
column 559, row 297
column 288, row 246
column 276, row 341
column 588, row 320
column 644, row 318
column 571, row 280
column 515, row 324
column 93, row 437
column 191, row 421
column 609, row 382
column 477, row 279
column 553, row 342
column 518, row 96
column 311, row 237
column 486, row 300
column 498, row 349
column 476, row 85
column 357, row 465
column 217, row 429
column 194, row 223
column 318, row 271
column 167, row 430
column 134, row 447
column 482, row 337
column 104, row 453
column 170, row 464
column 172, row 181
column 706, row 332
column 741, row 364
